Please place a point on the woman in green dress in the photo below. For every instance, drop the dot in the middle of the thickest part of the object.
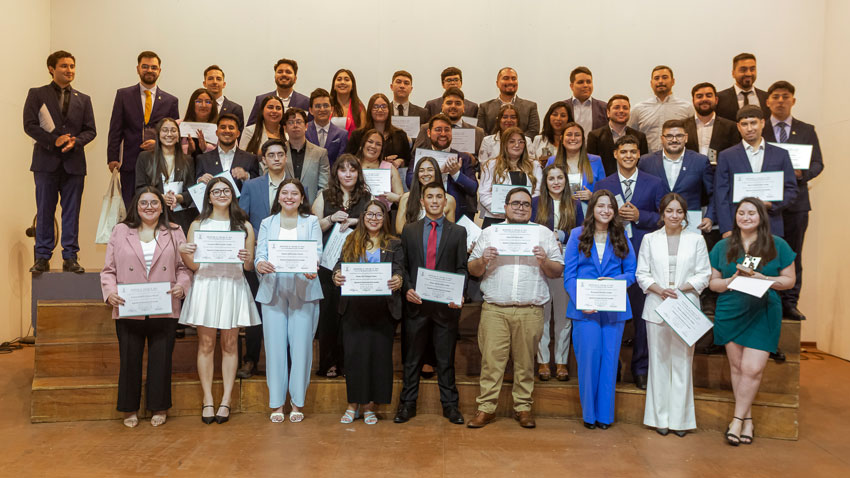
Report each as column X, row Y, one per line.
column 749, row 326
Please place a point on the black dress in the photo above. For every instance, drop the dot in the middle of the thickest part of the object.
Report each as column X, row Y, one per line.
column 397, row 144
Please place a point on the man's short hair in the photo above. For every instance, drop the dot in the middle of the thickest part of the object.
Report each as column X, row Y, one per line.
column 749, row 111
column 54, row 58
column 148, row 54
column 213, row 67
column 227, row 117
column 433, row 185
column 290, row 112
column 742, row 57
column 577, row 70
column 287, row 61
column 515, row 191
column 627, row 139
column 702, row 85
column 781, row 85
column 451, row 71
column 618, row 97
column 269, row 143
column 403, row 73
column 503, row 69
column 318, row 93
column 453, row 91
column 662, row 67
column 439, row 117
column 673, row 123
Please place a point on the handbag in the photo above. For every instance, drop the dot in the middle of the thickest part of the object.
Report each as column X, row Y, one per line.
column 112, row 210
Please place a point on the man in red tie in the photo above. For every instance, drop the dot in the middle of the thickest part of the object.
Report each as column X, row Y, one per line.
column 437, row 244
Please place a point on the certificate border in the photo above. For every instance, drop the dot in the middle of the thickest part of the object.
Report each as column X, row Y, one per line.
column 524, row 225
column 390, row 171
column 528, row 188
column 760, row 172
column 441, row 272
column 811, row 152
column 389, row 292
column 679, row 291
column 296, row 272
column 606, row 310
column 169, row 311
column 236, row 261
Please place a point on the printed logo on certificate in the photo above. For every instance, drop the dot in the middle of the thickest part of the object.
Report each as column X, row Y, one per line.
column 366, row 278
column 768, row 186
column 439, row 286
column 293, row 256
column 607, row 295
column 515, row 239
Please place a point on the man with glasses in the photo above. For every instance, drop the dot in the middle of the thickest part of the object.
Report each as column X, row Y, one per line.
column 515, row 288
column 451, row 77
column 320, row 131
column 226, row 156
column 307, row 162
column 453, row 107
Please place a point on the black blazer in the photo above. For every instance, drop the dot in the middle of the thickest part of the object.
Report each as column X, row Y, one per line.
column 801, row 133
column 727, row 103
column 451, row 257
column 419, row 111
column 394, row 255
column 147, row 175
column 209, row 163
column 724, row 135
column 397, row 144
column 601, row 142
column 233, row 108
column 435, row 106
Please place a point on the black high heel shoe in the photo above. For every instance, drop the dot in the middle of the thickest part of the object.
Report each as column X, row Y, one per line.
column 747, row 439
column 730, row 436
column 207, row 420
column 220, row 418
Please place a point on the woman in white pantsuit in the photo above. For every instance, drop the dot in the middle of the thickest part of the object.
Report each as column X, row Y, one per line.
column 671, row 259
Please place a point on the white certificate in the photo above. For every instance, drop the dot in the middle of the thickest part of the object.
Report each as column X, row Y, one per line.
column 146, row 298
column 684, row 317
column 500, row 192
column 219, row 246
column 409, row 124
column 750, row 285
column 769, row 186
column 438, row 286
column 801, row 154
column 177, row 188
column 293, row 256
column 333, row 248
column 473, row 232
column 441, row 156
column 601, row 295
column 575, row 182
column 366, row 278
column 189, row 129
column 694, row 220
column 379, row 181
column 463, row 140
column 515, row 239
column 198, row 190
column 470, row 120
column 339, row 121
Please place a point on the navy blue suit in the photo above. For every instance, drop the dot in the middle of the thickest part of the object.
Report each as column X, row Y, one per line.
column 734, row 160
column 695, row 181
column 297, row 100
column 126, row 126
column 209, row 162
column 335, row 142
column 235, row 109
column 57, row 173
column 464, row 189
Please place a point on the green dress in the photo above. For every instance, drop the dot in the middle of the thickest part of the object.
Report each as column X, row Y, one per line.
column 741, row 318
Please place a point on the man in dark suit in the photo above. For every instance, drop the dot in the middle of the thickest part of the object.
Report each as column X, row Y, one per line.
column 320, row 131
column 508, row 83
column 214, row 83
column 601, row 140
column 783, row 128
column 60, row 120
column 437, row 244
column 453, row 104
column 589, row 112
column 451, row 77
column 401, row 86
column 640, row 195
column 285, row 76
column 136, row 111
column 743, row 92
column 227, row 157
column 708, row 133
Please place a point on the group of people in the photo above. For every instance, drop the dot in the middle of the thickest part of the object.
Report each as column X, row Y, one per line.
column 612, row 191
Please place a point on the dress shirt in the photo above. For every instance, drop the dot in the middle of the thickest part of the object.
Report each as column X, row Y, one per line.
column 583, row 113
column 220, row 102
column 426, row 231
column 319, row 129
column 633, row 178
column 616, row 135
column 297, row 159
column 648, row 117
column 142, row 90
column 774, row 122
column 285, row 101
column 755, row 155
column 226, row 158
column 404, row 106
column 273, row 191
column 516, row 280
column 704, row 131
column 753, row 99
column 672, row 168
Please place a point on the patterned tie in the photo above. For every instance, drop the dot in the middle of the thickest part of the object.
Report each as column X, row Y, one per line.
column 431, row 254
column 322, row 138
column 400, row 110
column 627, row 192
column 783, row 135
column 148, row 105
column 66, row 100
column 746, row 97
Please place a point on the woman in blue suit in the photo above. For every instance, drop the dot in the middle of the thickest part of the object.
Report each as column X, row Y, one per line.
column 598, row 250
column 290, row 301
column 583, row 169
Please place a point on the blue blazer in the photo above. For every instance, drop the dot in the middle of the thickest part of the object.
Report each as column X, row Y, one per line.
column 464, row 189
column 695, row 179
column 598, row 170
column 646, row 196
column 127, row 123
column 578, row 266
column 296, row 101
column 801, row 133
column 46, row 156
column 270, row 284
column 335, row 143
column 255, row 200
column 734, row 160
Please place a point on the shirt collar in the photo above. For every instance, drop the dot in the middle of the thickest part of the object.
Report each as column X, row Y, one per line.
column 752, row 150
column 404, row 105
column 142, row 89
column 59, row 88
column 513, row 100
column 586, row 102
column 623, row 178
column 439, row 221
column 738, row 90
column 706, row 124
column 222, row 152
column 220, row 102
column 679, row 160
column 774, row 121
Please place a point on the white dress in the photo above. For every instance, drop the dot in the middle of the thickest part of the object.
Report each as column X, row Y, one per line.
column 219, row 297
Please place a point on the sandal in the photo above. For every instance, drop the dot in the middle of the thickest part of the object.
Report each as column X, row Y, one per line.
column 158, row 419
column 370, row 418
column 331, row 373
column 277, row 417
column 131, row 422
column 544, row 373
column 730, row 436
column 349, row 416
column 296, row 417
column 562, row 372
column 747, row 439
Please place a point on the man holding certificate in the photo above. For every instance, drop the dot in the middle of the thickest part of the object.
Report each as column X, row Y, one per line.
column 515, row 288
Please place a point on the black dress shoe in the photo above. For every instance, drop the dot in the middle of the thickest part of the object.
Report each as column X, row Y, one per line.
column 589, row 426
column 680, row 433
column 793, row 313
column 404, row 413
column 71, row 265
column 778, row 356
column 640, row 382
column 453, row 414
column 713, row 349
column 41, row 265
column 662, row 431
column 602, row 426
column 222, row 418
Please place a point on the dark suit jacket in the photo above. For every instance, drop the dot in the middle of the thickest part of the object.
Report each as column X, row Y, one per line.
column 209, row 163
column 724, row 134
column 451, row 257
column 801, row 133
column 127, row 123
column 599, row 110
column 395, row 255
column 734, row 160
column 464, row 189
column 397, row 144
column 695, row 181
column 297, row 101
column 235, row 109
column 46, row 156
column 147, row 175
column 529, row 119
column 335, row 143
column 424, row 141
column 435, row 106
column 646, row 196
column 413, row 110
column 601, row 142
column 255, row 201
column 727, row 103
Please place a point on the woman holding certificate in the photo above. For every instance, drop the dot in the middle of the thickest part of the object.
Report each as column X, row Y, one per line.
column 598, row 251
column 142, row 252
column 512, row 167
column 583, row 169
column 370, row 154
column 379, row 115
column 369, row 322
column 671, row 261
column 202, row 108
column 410, row 206
column 269, row 125
column 290, row 299
column 748, row 325
column 220, row 247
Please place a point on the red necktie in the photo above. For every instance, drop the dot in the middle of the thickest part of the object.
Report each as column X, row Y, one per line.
column 431, row 254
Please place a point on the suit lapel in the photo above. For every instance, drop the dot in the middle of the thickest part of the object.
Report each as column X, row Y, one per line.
column 290, row 173
column 53, row 106
column 136, row 244
column 157, row 105
column 264, row 198
column 609, row 251
column 310, row 160
column 444, row 237
column 745, row 160
column 418, row 231
column 217, row 167
column 687, row 161
column 161, row 241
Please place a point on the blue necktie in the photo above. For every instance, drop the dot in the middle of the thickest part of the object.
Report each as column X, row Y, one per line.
column 783, row 135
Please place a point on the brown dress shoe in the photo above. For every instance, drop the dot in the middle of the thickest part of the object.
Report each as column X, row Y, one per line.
column 247, row 370
column 525, row 419
column 480, row 420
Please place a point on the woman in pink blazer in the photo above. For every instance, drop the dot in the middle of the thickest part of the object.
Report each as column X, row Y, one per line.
column 143, row 249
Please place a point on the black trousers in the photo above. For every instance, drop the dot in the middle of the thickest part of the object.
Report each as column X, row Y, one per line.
column 438, row 323
column 796, row 223
column 328, row 330
column 160, row 335
column 253, row 334
column 368, row 330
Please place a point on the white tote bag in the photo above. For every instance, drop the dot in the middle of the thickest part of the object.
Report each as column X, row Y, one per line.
column 112, row 210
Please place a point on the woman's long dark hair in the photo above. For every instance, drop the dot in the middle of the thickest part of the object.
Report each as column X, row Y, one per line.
column 567, row 209
column 236, row 214
column 411, row 212
column 356, row 104
column 190, row 110
column 666, row 200
column 253, row 145
column 616, row 229
column 334, row 194
column 369, row 133
column 497, row 128
column 763, row 246
column 303, row 208
column 548, row 132
column 357, row 243
column 134, row 221
column 158, row 166
column 389, row 129
column 583, row 159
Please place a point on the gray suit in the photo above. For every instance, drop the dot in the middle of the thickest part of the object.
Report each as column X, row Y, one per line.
column 529, row 119
column 314, row 172
column 424, row 141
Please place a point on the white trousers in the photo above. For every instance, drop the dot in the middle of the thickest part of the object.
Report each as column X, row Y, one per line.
column 556, row 309
column 670, row 388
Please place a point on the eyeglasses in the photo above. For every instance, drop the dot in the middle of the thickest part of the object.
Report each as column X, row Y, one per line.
column 149, row 67
column 374, row 215
column 147, row 204
column 220, row 192
column 520, row 204
column 295, row 122
column 322, row 106
column 380, row 107
column 671, row 137
column 203, row 102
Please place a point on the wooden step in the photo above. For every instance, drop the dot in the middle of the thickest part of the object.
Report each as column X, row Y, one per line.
column 70, row 319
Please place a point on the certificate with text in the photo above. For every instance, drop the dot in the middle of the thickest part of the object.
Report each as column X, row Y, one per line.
column 769, row 186
column 515, row 239
column 473, row 232
column 293, row 256
column 463, row 140
column 801, row 154
column 684, row 317
column 379, row 181
column 500, row 192
column 333, row 248
column 366, row 278
column 218, row 246
column 441, row 156
column 189, row 129
column 146, row 298
column 601, row 295
column 694, row 220
column 409, row 124
column 438, row 286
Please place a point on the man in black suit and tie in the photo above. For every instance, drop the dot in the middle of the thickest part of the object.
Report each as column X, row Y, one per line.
column 214, row 83
column 589, row 112
column 708, row 133
column 601, row 140
column 453, row 107
column 508, row 83
column 285, row 76
column 402, row 85
column 226, row 157
column 451, row 77
column 743, row 92
column 783, row 128
column 437, row 244
column 60, row 120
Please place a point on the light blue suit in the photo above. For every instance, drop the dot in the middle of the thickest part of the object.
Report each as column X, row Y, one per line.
column 290, row 305
column 597, row 337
